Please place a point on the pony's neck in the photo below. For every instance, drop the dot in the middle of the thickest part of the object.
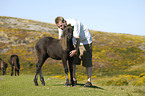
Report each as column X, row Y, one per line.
column 63, row 42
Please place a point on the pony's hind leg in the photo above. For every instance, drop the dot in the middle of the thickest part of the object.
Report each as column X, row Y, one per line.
column 66, row 78
column 38, row 71
column 35, row 79
column 41, row 78
column 36, row 74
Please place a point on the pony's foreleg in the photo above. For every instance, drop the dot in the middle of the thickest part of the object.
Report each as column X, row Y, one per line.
column 12, row 70
column 3, row 71
column 18, row 72
column 15, row 71
column 70, row 62
column 66, row 72
column 66, row 79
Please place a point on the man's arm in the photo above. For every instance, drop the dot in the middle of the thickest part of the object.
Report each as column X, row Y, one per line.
column 77, row 43
column 76, row 48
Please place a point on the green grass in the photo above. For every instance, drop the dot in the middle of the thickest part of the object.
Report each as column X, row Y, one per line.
column 24, row 86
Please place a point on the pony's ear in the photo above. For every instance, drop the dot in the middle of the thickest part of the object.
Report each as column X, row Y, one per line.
column 73, row 27
column 69, row 25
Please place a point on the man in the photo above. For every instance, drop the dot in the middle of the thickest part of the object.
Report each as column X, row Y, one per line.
column 83, row 45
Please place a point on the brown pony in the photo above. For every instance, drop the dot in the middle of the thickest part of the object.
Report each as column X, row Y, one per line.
column 56, row 49
column 3, row 66
column 14, row 61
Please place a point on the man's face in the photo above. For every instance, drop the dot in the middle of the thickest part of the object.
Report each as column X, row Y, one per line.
column 61, row 24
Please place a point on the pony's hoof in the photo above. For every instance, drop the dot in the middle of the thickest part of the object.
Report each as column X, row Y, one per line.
column 74, row 83
column 66, row 84
column 43, row 84
column 36, row 84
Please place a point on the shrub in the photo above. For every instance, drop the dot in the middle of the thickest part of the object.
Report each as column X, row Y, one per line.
column 142, row 74
column 117, row 82
column 139, row 81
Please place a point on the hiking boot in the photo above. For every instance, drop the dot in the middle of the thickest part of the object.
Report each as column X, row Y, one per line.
column 88, row 84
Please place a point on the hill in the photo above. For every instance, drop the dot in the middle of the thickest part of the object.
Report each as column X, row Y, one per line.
column 111, row 52
column 18, row 23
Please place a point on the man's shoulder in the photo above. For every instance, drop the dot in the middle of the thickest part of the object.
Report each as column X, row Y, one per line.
column 71, row 20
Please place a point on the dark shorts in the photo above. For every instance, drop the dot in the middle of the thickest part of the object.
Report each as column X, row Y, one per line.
column 84, row 54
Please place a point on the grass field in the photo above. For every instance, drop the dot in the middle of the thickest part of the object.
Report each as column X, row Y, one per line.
column 24, row 86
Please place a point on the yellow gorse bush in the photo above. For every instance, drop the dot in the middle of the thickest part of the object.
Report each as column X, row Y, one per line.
column 125, row 80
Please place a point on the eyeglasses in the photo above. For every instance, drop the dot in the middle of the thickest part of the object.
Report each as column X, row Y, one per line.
column 59, row 26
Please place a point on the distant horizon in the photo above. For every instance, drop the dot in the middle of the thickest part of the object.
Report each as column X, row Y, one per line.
column 115, row 16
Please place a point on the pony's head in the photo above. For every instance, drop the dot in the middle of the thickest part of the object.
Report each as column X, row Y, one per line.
column 68, row 32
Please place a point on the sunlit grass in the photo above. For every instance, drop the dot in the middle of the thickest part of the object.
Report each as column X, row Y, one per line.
column 24, row 86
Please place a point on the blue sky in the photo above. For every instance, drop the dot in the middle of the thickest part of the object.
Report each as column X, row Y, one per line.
column 115, row 16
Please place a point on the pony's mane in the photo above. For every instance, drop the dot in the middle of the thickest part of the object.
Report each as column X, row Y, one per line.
column 63, row 39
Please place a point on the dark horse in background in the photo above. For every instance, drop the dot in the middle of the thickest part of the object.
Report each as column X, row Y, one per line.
column 3, row 66
column 14, row 62
column 56, row 49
